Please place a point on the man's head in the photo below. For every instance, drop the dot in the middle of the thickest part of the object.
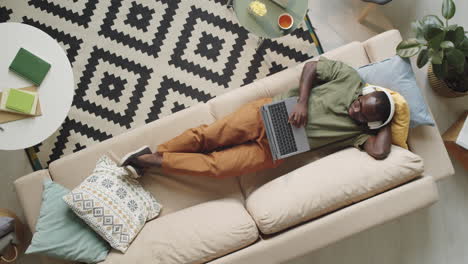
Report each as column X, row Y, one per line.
column 371, row 107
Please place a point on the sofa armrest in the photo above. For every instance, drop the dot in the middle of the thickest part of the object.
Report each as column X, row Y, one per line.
column 427, row 143
column 423, row 140
column 29, row 191
column 382, row 46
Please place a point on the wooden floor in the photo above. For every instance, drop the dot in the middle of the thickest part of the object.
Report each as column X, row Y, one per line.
column 436, row 235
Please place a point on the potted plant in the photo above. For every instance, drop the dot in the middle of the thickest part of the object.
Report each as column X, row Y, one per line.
column 445, row 47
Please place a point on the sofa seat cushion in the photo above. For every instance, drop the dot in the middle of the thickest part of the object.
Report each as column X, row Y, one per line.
column 328, row 184
column 177, row 192
column 193, row 235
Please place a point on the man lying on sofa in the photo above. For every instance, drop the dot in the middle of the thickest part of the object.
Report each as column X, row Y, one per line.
column 330, row 106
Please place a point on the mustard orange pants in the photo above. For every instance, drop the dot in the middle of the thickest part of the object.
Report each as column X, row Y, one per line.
column 232, row 146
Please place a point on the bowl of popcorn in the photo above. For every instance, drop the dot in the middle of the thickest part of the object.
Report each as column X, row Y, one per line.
column 257, row 8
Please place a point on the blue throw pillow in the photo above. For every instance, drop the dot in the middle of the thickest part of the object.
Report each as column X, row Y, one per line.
column 62, row 234
column 396, row 74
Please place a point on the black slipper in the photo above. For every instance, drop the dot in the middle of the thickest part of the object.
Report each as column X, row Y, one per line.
column 134, row 154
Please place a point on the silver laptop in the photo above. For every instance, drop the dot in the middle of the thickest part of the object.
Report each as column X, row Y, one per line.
column 285, row 139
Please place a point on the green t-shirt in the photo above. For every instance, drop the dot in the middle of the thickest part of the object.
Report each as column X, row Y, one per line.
column 328, row 121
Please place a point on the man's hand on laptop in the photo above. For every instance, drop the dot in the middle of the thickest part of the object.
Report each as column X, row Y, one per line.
column 298, row 116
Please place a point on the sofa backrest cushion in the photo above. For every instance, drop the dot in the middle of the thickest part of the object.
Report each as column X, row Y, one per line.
column 353, row 54
column 72, row 169
column 324, row 186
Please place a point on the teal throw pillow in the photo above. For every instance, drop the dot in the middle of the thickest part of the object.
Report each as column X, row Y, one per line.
column 62, row 234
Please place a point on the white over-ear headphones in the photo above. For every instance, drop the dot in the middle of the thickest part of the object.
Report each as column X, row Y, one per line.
column 379, row 124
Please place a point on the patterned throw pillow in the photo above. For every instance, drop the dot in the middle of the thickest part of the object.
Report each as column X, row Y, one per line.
column 113, row 204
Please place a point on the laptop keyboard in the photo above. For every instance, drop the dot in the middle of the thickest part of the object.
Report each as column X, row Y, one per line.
column 282, row 129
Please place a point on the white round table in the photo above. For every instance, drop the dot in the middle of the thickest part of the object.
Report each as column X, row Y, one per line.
column 55, row 92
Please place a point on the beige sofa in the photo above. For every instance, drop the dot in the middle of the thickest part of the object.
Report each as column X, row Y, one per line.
column 270, row 216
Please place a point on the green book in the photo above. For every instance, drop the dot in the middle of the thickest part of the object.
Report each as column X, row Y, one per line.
column 20, row 101
column 29, row 66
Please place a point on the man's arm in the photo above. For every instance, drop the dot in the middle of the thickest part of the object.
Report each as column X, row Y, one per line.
column 378, row 146
column 309, row 74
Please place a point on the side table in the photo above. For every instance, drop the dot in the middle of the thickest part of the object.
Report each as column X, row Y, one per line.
column 267, row 27
column 55, row 93
column 450, row 136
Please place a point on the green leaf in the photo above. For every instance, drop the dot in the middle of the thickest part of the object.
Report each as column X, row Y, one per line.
column 423, row 58
column 435, row 36
column 418, row 30
column 451, row 27
column 408, row 48
column 437, row 56
column 431, row 19
column 456, row 59
column 428, row 22
column 464, row 46
column 440, row 70
column 461, row 68
column 432, row 31
column 447, row 44
column 456, row 36
column 448, row 9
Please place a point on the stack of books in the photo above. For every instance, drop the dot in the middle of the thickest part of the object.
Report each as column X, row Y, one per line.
column 23, row 101
column 19, row 101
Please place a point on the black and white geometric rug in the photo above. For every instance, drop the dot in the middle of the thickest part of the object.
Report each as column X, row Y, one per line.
column 135, row 61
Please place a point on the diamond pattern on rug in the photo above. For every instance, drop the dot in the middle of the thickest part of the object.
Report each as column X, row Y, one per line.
column 139, row 16
column 71, row 43
column 136, row 61
column 169, row 85
column 210, row 46
column 79, row 12
column 5, row 14
column 258, row 69
column 111, row 87
column 127, row 22
column 195, row 18
column 91, row 101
